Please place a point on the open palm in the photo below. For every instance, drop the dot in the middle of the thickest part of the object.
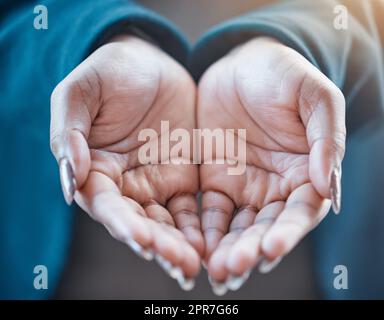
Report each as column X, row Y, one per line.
column 295, row 136
column 98, row 112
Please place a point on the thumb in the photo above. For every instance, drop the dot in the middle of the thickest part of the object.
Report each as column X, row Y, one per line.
column 70, row 126
column 322, row 109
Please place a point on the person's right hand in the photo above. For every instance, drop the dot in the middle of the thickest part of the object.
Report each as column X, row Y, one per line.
column 97, row 112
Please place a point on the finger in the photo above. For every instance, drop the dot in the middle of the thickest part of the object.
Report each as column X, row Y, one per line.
column 138, row 208
column 304, row 210
column 217, row 211
column 70, row 125
column 101, row 199
column 322, row 109
column 165, row 243
column 243, row 218
column 175, row 255
column 165, row 246
column 184, row 211
column 245, row 252
column 217, row 263
column 171, row 244
column 241, row 221
column 158, row 213
column 191, row 261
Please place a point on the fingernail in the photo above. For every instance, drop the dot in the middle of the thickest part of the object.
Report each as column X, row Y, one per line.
column 187, row 284
column 235, row 282
column 173, row 271
column 176, row 273
column 336, row 190
column 163, row 263
column 218, row 288
column 204, row 264
column 266, row 266
column 146, row 254
column 67, row 178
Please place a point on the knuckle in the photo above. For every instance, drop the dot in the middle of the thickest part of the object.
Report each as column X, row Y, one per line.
column 331, row 95
column 338, row 142
column 316, row 89
column 335, row 144
column 54, row 144
column 56, row 93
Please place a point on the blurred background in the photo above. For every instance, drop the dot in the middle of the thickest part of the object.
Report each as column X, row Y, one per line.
column 102, row 268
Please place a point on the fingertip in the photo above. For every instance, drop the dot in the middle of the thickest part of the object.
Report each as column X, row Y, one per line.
column 73, row 157
column 216, row 267
column 79, row 156
column 240, row 259
column 212, row 240
column 196, row 239
column 191, row 263
column 129, row 229
column 141, row 232
column 320, row 168
column 324, row 158
column 274, row 245
column 184, row 210
column 217, row 211
column 165, row 245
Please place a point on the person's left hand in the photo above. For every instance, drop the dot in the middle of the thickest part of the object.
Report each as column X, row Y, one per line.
column 294, row 118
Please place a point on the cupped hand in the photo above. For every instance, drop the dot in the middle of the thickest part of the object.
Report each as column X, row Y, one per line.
column 294, row 118
column 97, row 114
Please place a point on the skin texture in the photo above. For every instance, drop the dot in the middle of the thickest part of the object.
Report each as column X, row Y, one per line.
column 295, row 122
column 294, row 118
column 98, row 111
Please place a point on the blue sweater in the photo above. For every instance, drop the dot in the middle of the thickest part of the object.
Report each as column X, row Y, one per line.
column 35, row 223
column 354, row 60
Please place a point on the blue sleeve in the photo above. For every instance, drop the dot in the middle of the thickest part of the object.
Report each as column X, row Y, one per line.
column 352, row 58
column 35, row 223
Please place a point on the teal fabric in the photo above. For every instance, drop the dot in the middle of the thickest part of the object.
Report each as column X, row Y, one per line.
column 353, row 60
column 355, row 238
column 35, row 223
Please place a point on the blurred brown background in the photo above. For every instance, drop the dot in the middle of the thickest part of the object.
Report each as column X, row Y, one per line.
column 195, row 17
column 102, row 268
